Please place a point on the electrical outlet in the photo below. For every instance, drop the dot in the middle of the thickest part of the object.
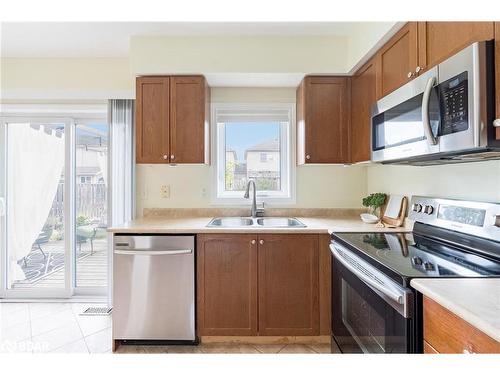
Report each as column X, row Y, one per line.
column 165, row 191
column 203, row 192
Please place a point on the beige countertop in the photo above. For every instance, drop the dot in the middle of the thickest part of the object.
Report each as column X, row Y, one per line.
column 159, row 224
column 477, row 301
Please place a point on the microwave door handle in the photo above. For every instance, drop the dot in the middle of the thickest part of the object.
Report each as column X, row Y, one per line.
column 431, row 138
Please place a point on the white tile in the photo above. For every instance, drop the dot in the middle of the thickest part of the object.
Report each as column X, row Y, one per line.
column 52, row 321
column 12, row 315
column 99, row 342
column 93, row 324
column 59, row 337
column 10, row 307
column 41, row 309
column 76, row 347
column 15, row 333
column 16, row 347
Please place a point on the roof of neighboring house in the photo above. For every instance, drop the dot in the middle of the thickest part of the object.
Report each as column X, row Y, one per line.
column 229, row 151
column 272, row 145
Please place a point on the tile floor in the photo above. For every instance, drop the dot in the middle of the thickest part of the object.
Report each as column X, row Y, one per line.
column 58, row 328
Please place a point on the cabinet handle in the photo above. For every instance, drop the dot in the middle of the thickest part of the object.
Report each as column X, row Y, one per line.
column 165, row 157
column 252, row 242
column 308, row 157
column 418, row 69
column 261, row 242
column 410, row 74
column 172, row 157
column 496, row 123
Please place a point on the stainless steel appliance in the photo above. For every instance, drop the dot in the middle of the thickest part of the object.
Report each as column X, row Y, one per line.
column 153, row 288
column 374, row 307
column 446, row 115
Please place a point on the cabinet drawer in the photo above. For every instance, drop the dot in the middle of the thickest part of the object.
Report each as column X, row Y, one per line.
column 428, row 349
column 448, row 333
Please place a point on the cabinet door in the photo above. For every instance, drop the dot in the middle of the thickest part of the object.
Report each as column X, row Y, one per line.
column 439, row 40
column 323, row 115
column 188, row 120
column 497, row 72
column 363, row 96
column 227, row 284
column 398, row 59
column 152, row 119
column 288, row 284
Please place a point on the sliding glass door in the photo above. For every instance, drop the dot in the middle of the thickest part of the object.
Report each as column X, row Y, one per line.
column 36, row 256
column 91, row 207
column 53, row 207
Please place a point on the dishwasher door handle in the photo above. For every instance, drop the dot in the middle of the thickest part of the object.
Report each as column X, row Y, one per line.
column 153, row 252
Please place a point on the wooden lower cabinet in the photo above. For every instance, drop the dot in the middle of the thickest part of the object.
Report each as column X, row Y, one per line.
column 266, row 284
column 288, row 285
column 445, row 332
column 227, row 284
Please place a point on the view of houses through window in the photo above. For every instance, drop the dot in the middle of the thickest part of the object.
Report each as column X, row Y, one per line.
column 252, row 152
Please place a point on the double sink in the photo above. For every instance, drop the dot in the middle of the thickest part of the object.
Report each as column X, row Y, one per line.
column 263, row 222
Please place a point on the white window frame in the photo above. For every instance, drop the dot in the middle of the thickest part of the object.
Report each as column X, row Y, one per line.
column 286, row 196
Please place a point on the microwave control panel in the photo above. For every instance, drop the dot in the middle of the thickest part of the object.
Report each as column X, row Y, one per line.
column 454, row 104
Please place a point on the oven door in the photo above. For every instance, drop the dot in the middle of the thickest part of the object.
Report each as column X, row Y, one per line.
column 370, row 312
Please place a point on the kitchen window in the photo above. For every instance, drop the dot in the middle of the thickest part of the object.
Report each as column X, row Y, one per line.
column 253, row 142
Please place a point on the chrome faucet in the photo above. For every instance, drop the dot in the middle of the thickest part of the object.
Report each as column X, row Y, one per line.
column 254, row 199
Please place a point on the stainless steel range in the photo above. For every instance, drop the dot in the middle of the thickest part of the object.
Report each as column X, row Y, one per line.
column 374, row 308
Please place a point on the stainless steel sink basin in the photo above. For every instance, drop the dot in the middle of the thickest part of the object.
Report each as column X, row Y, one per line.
column 262, row 222
column 279, row 222
column 231, row 222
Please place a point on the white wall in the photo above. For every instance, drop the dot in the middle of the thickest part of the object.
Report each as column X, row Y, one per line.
column 368, row 38
column 473, row 181
column 65, row 78
column 238, row 54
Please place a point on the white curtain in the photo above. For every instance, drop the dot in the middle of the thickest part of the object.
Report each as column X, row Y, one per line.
column 102, row 160
column 35, row 162
column 121, row 126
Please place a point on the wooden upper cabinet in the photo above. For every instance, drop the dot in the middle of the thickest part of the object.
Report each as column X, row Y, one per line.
column 188, row 119
column 323, row 114
column 363, row 96
column 288, row 284
column 152, row 119
column 397, row 60
column 172, row 123
column 227, row 284
column 497, row 73
column 439, row 40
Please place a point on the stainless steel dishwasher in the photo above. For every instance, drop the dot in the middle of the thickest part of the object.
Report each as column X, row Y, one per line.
column 153, row 288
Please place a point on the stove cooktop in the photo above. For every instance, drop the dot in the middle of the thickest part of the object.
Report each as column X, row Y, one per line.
column 409, row 255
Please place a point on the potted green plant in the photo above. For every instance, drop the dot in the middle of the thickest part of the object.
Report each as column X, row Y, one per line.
column 374, row 202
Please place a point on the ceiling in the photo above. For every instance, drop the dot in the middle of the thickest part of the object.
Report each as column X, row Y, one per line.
column 111, row 39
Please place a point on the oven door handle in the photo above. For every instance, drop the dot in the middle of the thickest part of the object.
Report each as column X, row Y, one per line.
column 393, row 293
column 431, row 138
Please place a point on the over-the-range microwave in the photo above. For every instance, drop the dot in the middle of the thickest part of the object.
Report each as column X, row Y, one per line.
column 446, row 115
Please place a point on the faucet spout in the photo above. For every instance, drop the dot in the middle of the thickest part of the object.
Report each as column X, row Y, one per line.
column 254, row 199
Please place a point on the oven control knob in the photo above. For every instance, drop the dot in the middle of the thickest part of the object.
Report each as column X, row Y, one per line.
column 428, row 210
column 429, row 266
column 417, row 207
column 417, row 261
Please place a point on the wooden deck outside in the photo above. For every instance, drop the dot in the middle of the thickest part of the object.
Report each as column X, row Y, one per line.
column 91, row 270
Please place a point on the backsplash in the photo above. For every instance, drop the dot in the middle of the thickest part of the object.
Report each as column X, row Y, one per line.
column 472, row 181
